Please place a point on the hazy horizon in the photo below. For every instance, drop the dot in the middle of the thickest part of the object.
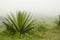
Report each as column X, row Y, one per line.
column 39, row 8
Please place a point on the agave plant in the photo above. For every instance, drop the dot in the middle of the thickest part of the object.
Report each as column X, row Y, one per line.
column 21, row 22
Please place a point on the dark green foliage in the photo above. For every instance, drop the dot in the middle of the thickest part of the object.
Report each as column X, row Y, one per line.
column 21, row 22
column 58, row 21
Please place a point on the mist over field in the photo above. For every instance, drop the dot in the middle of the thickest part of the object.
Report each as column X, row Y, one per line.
column 43, row 24
column 39, row 8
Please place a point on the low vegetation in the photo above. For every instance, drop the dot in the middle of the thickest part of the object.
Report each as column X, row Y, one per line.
column 23, row 27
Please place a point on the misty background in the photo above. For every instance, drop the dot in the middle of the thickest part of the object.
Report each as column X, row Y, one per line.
column 38, row 8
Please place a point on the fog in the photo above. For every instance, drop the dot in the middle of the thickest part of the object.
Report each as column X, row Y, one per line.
column 39, row 8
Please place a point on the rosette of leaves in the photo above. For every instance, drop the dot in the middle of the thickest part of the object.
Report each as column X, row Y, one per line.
column 21, row 22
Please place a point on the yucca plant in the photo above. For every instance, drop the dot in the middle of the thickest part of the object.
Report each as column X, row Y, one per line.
column 21, row 22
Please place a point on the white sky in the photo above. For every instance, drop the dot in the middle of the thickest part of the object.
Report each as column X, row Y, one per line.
column 36, row 7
